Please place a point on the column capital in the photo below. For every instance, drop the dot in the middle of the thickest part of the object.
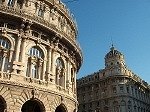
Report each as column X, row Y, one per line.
column 4, row 31
column 24, row 37
column 5, row 52
column 20, row 34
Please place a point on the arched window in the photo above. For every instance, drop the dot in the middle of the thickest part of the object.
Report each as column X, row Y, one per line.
column 129, row 106
column 59, row 63
column 35, row 63
column 60, row 72
column 36, row 52
column 4, row 54
column 123, row 106
column 115, row 106
column 4, row 43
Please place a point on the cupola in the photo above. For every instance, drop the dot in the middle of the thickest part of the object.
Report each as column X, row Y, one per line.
column 114, row 58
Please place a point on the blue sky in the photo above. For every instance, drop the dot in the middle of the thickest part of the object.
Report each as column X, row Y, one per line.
column 127, row 22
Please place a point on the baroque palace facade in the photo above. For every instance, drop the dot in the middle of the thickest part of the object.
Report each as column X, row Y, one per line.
column 114, row 88
column 39, row 57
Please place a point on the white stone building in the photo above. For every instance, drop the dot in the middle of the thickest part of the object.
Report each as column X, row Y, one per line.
column 39, row 57
column 113, row 89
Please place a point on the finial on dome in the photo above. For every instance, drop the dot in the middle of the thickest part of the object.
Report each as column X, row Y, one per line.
column 112, row 45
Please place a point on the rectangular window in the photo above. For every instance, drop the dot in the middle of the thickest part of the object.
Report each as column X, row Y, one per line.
column 90, row 96
column 83, row 106
column 98, row 104
column 136, row 92
column 132, row 90
column 96, row 94
column 114, row 90
column 83, row 97
column 121, row 89
column 106, row 102
column 128, row 89
column 90, row 105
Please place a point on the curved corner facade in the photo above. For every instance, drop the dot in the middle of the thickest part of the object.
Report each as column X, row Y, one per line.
column 114, row 88
column 39, row 57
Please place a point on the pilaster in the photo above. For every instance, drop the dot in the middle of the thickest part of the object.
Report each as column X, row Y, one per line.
column 42, row 67
column 3, row 61
column 18, row 43
column 22, row 54
column 75, row 84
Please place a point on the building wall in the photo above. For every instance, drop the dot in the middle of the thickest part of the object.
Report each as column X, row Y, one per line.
column 39, row 56
column 99, row 95
column 113, row 89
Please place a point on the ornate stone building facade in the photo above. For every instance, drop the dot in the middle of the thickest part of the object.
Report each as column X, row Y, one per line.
column 39, row 57
column 113, row 89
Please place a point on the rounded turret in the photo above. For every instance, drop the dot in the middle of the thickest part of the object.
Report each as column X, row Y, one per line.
column 114, row 57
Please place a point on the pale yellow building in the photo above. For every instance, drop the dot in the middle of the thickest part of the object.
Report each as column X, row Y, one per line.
column 114, row 88
column 39, row 57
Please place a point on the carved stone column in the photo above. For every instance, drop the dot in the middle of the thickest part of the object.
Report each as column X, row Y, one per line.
column 75, row 88
column 10, row 60
column 22, row 55
column 73, row 82
column 67, row 74
column 52, row 60
column 18, row 43
column 64, row 80
column 31, row 66
column 3, row 61
column 41, row 69
column 52, row 67
column 57, row 75
column 10, row 55
column 48, row 66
